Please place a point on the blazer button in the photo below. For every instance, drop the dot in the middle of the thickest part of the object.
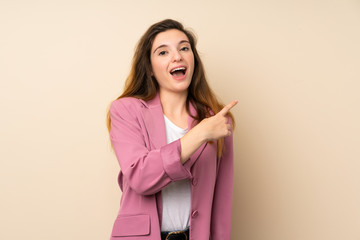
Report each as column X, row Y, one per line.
column 194, row 181
column 195, row 213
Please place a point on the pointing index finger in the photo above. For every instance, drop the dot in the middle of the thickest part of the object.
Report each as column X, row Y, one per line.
column 227, row 108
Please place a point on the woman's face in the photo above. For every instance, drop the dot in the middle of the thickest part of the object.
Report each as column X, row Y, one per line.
column 172, row 61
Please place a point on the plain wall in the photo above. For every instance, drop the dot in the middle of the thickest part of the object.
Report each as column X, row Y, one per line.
column 293, row 66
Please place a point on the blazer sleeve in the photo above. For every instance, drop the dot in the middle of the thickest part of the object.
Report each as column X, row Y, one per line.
column 223, row 194
column 146, row 171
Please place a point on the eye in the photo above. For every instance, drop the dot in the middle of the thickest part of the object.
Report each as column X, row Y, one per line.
column 185, row 49
column 162, row 53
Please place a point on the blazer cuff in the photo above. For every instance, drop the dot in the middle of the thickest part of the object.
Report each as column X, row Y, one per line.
column 170, row 155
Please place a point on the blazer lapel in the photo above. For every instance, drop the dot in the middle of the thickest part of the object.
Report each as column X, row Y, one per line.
column 154, row 121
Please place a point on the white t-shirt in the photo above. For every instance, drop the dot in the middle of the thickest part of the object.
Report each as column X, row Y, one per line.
column 176, row 197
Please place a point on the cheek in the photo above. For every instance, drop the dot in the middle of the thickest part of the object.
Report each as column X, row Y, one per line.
column 154, row 69
column 157, row 67
column 191, row 60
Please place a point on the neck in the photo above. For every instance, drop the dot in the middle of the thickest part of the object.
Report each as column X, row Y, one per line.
column 174, row 107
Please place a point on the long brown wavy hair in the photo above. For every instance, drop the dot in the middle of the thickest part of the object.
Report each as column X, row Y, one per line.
column 141, row 84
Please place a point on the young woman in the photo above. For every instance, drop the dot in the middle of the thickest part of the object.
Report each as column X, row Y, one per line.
column 174, row 143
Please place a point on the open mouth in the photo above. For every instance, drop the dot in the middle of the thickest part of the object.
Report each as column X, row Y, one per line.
column 178, row 72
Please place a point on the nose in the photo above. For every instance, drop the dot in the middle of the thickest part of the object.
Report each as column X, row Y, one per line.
column 176, row 56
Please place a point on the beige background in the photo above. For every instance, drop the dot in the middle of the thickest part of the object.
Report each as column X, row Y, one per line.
column 293, row 65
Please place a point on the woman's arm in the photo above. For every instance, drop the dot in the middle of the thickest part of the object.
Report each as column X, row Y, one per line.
column 209, row 129
column 146, row 171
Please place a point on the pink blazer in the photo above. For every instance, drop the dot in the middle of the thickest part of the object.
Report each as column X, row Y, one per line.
column 148, row 164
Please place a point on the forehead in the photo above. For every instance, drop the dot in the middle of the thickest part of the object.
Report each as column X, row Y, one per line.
column 169, row 37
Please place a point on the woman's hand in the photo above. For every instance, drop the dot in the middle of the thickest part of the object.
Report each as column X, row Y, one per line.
column 217, row 126
column 209, row 129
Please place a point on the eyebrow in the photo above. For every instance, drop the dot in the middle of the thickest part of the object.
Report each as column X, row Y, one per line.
column 164, row 45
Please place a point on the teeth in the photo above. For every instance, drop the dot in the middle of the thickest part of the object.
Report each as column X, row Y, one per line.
column 177, row 69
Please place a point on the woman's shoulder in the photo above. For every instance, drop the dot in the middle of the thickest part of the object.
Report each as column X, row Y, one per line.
column 127, row 103
column 127, row 100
